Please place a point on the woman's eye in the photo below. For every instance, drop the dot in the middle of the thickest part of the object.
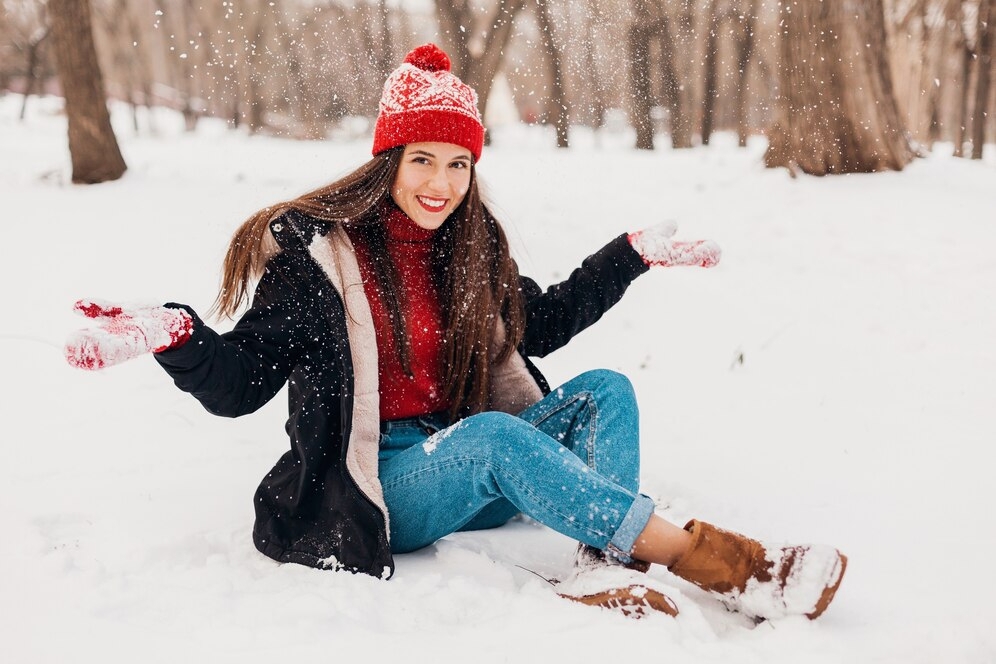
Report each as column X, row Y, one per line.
column 458, row 164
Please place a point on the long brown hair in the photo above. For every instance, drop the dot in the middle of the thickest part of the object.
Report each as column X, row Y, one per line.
column 477, row 278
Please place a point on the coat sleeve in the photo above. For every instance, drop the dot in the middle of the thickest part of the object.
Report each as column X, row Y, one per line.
column 553, row 317
column 236, row 373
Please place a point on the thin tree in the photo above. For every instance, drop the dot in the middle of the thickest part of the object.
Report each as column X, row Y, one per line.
column 129, row 63
column 678, row 71
column 638, row 54
column 710, row 91
column 983, row 75
column 967, row 53
column 27, row 31
column 593, row 17
column 650, row 27
column 93, row 147
column 554, row 58
column 479, row 65
column 744, row 50
column 837, row 112
column 33, row 55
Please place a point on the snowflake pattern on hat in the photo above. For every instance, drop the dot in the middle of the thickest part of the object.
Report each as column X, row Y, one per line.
column 410, row 88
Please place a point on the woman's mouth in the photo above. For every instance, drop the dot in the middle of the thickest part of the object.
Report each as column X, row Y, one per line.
column 432, row 204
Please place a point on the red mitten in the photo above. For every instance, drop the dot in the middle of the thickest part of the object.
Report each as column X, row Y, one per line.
column 656, row 247
column 125, row 333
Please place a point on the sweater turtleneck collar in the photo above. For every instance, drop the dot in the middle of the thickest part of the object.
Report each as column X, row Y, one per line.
column 400, row 227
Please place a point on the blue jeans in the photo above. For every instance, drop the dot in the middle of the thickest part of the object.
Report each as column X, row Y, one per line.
column 570, row 462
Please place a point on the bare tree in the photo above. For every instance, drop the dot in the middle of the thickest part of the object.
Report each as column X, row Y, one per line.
column 946, row 82
column 477, row 52
column 129, row 60
column 938, row 54
column 23, row 29
column 837, row 112
column 745, row 51
column 983, row 75
column 678, row 46
column 552, row 51
column 593, row 17
column 92, row 144
column 33, row 52
column 710, row 91
column 638, row 51
column 652, row 27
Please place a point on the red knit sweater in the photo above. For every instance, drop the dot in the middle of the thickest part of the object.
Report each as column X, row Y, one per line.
column 410, row 248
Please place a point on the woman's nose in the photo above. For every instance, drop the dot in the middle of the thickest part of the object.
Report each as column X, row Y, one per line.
column 438, row 180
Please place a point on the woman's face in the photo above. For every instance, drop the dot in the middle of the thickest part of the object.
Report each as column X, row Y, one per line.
column 432, row 180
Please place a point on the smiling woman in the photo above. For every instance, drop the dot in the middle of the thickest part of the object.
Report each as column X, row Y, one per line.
column 390, row 304
column 431, row 182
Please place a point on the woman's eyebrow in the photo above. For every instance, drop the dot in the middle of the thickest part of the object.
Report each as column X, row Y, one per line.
column 426, row 153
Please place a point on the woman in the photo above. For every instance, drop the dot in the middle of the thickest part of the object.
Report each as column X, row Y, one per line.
column 389, row 304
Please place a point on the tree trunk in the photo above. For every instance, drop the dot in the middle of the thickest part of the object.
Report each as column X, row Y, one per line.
column 254, row 74
column 745, row 49
column 34, row 47
column 674, row 97
column 837, row 112
column 124, row 63
column 941, row 81
column 594, row 16
column 967, row 57
column 709, row 91
column 678, row 44
column 558, row 98
column 93, row 147
column 478, row 67
column 385, row 56
column 638, row 52
column 983, row 76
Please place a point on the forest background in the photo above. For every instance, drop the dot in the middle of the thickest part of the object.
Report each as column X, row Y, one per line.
column 844, row 86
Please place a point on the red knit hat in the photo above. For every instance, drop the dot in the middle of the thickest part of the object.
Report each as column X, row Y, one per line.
column 424, row 102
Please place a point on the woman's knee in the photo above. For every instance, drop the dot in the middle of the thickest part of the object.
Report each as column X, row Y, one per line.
column 609, row 384
column 494, row 435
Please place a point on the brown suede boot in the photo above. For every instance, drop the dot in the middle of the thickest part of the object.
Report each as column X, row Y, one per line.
column 603, row 581
column 759, row 581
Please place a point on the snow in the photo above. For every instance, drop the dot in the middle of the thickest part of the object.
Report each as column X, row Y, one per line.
column 812, row 569
column 832, row 380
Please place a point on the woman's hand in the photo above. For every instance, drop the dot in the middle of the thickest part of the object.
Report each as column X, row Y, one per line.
column 124, row 333
column 656, row 247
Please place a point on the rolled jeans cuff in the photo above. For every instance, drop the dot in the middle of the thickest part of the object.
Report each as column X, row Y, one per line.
column 636, row 519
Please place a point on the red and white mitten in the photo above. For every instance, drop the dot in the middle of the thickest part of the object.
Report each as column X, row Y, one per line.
column 125, row 333
column 656, row 247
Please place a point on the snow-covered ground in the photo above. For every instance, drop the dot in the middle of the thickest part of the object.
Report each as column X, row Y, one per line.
column 833, row 380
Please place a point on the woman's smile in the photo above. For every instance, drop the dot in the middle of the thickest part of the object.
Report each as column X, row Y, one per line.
column 432, row 204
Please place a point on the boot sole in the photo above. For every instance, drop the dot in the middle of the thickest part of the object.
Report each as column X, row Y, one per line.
column 636, row 601
column 828, row 594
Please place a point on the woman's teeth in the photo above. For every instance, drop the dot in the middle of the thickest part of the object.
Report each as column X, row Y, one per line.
column 434, row 203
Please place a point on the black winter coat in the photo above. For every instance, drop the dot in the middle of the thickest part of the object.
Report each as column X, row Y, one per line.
column 321, row 504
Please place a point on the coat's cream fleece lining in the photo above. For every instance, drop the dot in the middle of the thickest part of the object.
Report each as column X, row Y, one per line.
column 512, row 386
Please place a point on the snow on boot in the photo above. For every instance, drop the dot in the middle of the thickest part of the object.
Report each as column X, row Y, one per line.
column 589, row 557
column 604, row 581
column 757, row 580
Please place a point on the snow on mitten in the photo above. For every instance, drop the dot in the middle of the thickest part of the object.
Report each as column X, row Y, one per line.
column 656, row 247
column 124, row 333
